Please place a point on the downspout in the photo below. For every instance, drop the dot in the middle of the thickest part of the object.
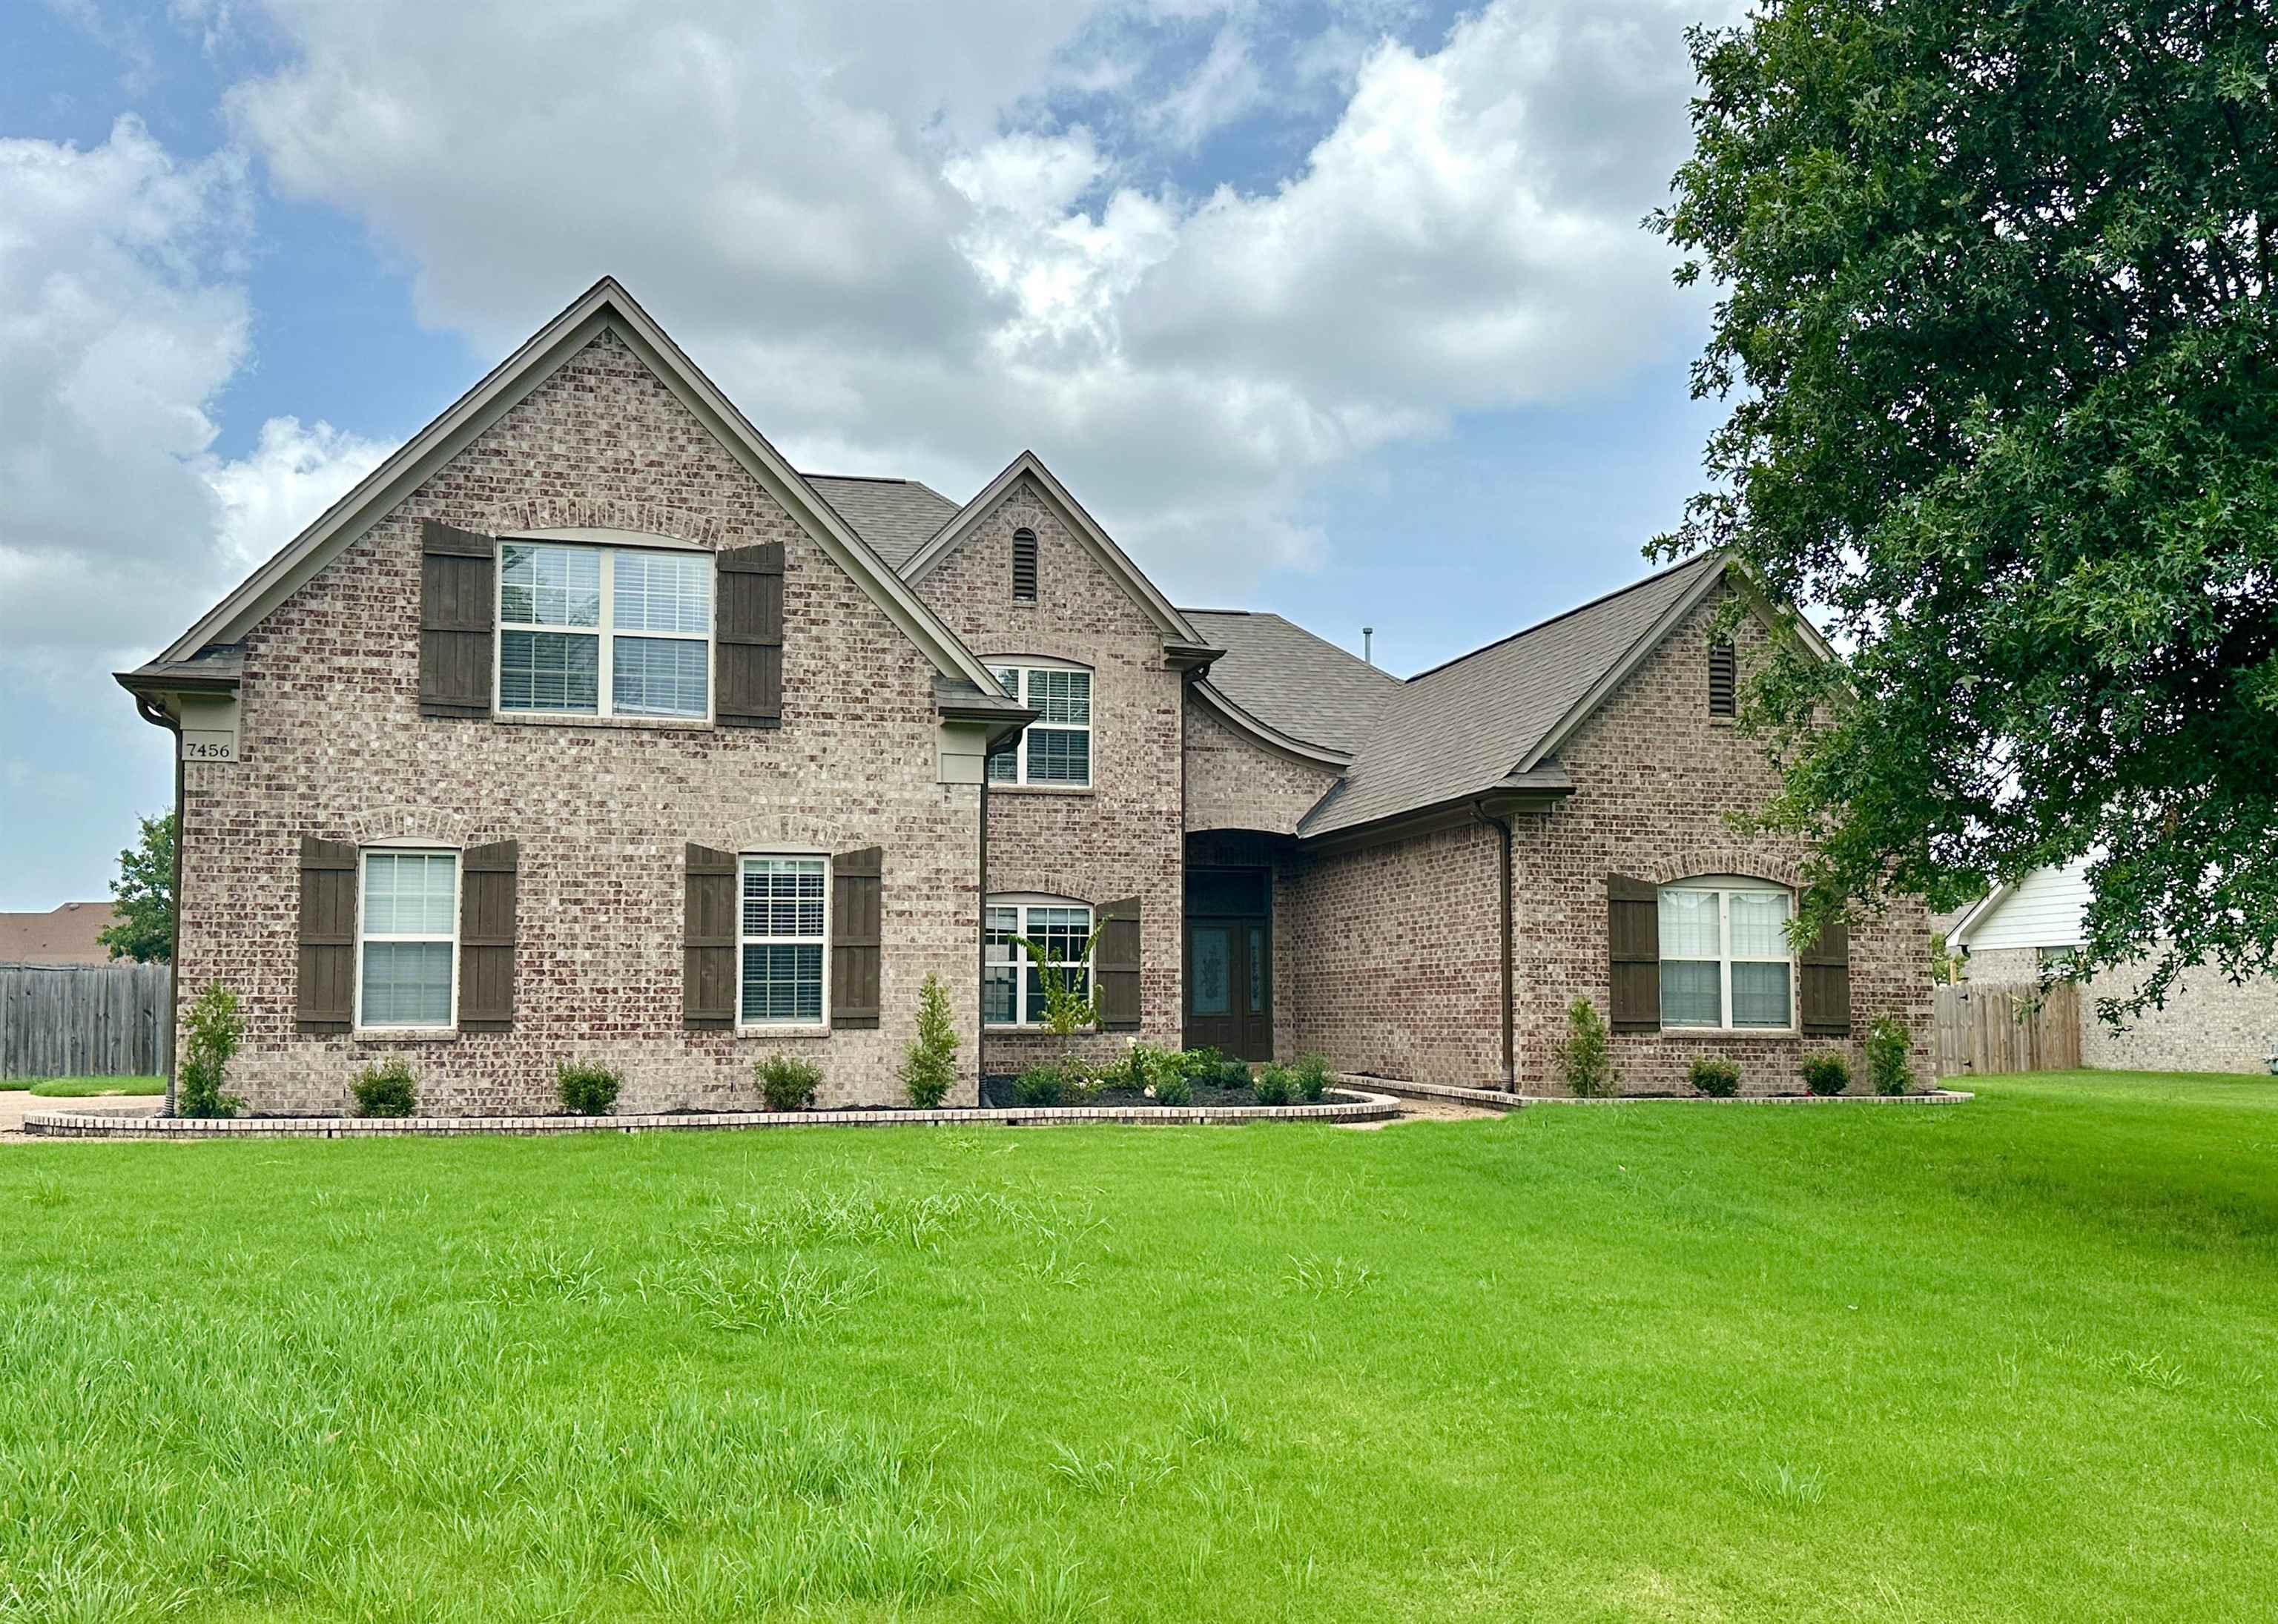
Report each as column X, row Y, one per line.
column 155, row 715
column 981, row 943
column 1503, row 828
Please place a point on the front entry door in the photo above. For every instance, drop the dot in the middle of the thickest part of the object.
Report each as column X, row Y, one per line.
column 1229, row 980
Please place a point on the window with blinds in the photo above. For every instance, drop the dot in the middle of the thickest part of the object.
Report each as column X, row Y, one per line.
column 604, row 631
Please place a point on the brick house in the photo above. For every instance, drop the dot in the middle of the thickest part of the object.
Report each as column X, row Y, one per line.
column 587, row 727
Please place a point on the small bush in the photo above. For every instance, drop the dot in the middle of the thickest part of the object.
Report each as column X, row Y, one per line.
column 385, row 1090
column 1204, row 1065
column 586, row 1089
column 929, row 1067
column 1888, row 1042
column 786, row 1083
column 1041, row 1084
column 1719, row 1079
column 1826, row 1074
column 1311, row 1076
column 1274, row 1086
column 1173, row 1089
column 1584, row 1055
column 215, row 1028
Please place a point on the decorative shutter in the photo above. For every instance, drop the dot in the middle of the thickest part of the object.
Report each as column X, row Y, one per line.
column 1633, row 952
column 1825, row 972
column 748, row 629
column 1724, row 680
column 458, row 578
column 1115, row 960
column 857, row 914
column 707, row 984
column 327, row 997
column 489, row 876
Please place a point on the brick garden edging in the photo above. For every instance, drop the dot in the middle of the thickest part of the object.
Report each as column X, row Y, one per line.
column 92, row 1125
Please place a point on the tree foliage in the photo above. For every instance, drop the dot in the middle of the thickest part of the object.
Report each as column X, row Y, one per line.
column 1997, row 317
column 143, row 897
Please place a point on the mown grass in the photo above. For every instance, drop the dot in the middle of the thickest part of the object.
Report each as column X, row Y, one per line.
column 2014, row 1359
column 87, row 1088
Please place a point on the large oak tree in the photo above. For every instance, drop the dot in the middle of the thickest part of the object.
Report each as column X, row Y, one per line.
column 1997, row 319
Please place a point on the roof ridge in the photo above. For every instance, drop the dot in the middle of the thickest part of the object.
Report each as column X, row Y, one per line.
column 1567, row 614
column 1303, row 629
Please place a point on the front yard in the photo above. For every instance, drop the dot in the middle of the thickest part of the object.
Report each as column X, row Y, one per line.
column 2013, row 1359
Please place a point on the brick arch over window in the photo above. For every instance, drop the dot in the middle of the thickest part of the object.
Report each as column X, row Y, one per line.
column 389, row 825
column 1726, row 859
column 606, row 513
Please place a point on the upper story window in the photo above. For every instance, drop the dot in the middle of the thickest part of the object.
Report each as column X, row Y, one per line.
column 407, row 938
column 1724, row 680
column 1024, row 566
column 604, row 631
column 1056, row 747
column 1724, row 959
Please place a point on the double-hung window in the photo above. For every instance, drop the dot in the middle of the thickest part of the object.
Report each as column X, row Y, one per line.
column 1013, row 988
column 407, row 938
column 604, row 631
column 783, row 942
column 1056, row 747
column 1724, row 958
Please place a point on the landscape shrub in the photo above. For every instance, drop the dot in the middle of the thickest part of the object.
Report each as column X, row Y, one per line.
column 1311, row 1076
column 1158, row 1074
column 929, row 1067
column 385, row 1090
column 1203, row 1065
column 1719, row 1079
column 1274, row 1086
column 787, row 1083
column 587, row 1089
column 1826, row 1074
column 1171, row 1088
column 215, row 1030
column 1888, row 1042
column 1584, row 1055
column 1041, row 1084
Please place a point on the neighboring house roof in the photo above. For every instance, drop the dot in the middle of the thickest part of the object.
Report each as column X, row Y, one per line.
column 1470, row 726
column 2041, row 910
column 65, row 935
column 606, row 306
column 1291, row 680
column 896, row 516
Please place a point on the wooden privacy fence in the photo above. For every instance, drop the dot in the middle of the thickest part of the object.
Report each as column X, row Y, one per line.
column 1987, row 1028
column 84, row 1019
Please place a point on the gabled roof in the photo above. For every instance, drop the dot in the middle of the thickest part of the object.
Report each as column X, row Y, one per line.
column 1293, row 681
column 65, row 935
column 1178, row 632
column 604, row 307
column 1493, row 716
column 896, row 516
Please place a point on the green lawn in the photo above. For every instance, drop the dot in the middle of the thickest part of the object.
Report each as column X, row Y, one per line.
column 2017, row 1358
column 86, row 1088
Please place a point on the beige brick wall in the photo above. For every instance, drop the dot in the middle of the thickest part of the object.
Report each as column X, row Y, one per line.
column 333, row 745
column 1234, row 784
column 1121, row 838
column 2207, row 1023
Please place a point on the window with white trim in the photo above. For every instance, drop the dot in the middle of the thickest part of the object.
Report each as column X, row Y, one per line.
column 604, row 631
column 1011, row 987
column 1056, row 747
column 407, row 938
column 1726, row 963
column 782, row 940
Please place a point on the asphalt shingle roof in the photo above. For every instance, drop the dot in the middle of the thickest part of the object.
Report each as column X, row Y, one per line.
column 1459, row 728
column 896, row 516
column 1292, row 680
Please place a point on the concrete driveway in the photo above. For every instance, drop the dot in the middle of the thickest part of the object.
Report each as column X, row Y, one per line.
column 16, row 1104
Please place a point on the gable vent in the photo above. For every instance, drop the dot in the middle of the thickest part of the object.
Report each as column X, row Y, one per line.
column 1723, row 672
column 1024, row 565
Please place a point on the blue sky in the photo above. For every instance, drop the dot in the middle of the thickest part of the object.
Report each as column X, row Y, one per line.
column 1338, row 308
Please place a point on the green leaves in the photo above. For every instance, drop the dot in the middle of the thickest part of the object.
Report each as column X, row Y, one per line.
column 143, row 897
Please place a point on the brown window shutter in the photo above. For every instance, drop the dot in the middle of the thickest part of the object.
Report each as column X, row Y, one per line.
column 1633, row 953
column 1825, row 972
column 325, row 1001
column 708, row 979
column 1724, row 680
column 1115, row 962
column 489, row 876
column 1024, row 565
column 748, row 629
column 857, row 937
column 458, row 581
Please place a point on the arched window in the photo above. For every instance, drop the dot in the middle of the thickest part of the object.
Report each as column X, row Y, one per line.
column 1726, row 963
column 1024, row 566
column 1011, row 987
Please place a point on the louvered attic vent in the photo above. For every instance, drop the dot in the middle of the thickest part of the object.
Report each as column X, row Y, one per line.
column 1724, row 674
column 1024, row 565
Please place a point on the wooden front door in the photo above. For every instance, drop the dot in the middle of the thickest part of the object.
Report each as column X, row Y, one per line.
column 1229, row 963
